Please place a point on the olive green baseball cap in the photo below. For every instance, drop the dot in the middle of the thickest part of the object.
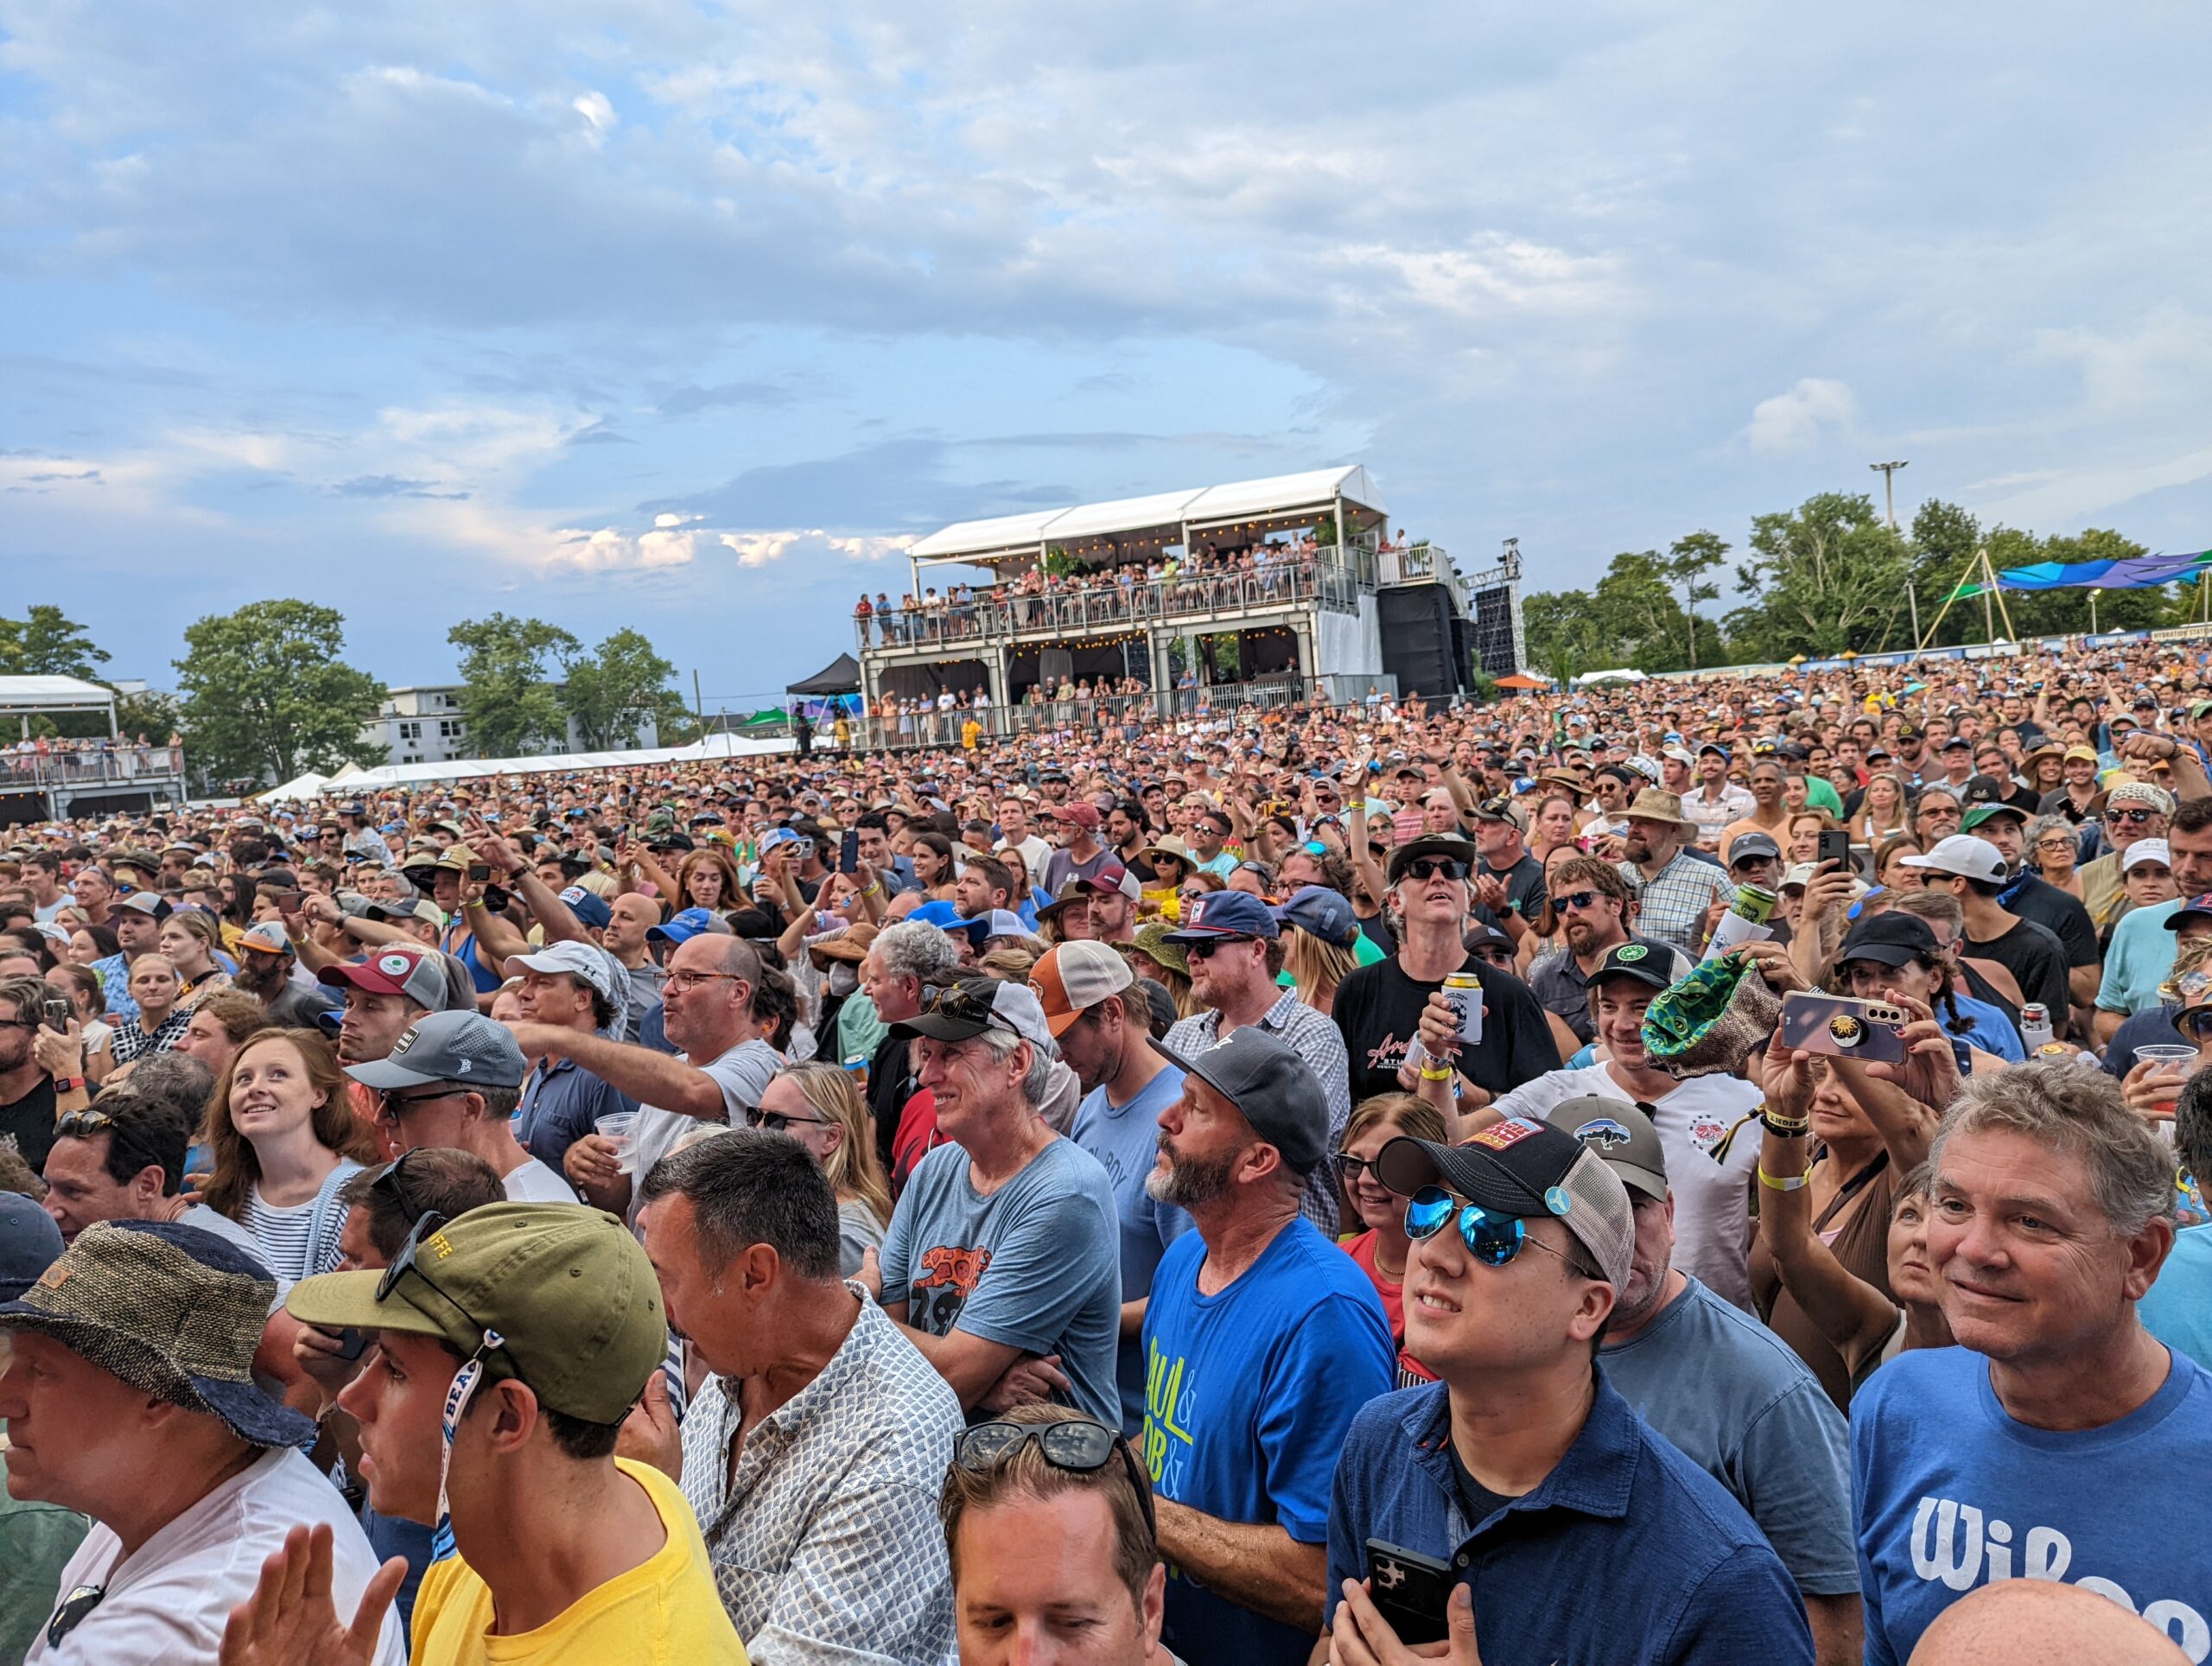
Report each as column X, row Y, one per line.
column 568, row 1291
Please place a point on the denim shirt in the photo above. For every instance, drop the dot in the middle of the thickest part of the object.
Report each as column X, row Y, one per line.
column 1626, row 1553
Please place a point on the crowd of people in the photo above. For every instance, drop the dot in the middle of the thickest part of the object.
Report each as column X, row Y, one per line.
column 1701, row 1171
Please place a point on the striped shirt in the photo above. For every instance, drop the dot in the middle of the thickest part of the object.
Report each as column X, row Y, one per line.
column 299, row 1239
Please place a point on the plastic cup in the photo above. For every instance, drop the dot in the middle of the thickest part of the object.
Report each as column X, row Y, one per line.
column 2170, row 1060
column 617, row 1125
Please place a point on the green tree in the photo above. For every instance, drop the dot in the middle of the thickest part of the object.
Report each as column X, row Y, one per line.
column 47, row 643
column 507, row 700
column 1687, row 562
column 266, row 694
column 1562, row 634
column 611, row 691
column 1828, row 576
column 1638, row 615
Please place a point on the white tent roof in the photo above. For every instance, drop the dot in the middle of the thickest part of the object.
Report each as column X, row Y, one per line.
column 1280, row 494
column 298, row 788
column 462, row 769
column 53, row 694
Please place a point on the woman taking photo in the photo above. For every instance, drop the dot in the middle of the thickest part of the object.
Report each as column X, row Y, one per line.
column 285, row 1140
column 189, row 939
column 817, row 1105
column 81, row 987
column 1381, row 1249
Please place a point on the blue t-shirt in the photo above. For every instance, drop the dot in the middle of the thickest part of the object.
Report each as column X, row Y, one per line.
column 2177, row 1309
column 1126, row 1141
column 1248, row 1394
column 1950, row 1492
column 1033, row 1266
column 1989, row 1029
column 2142, row 954
column 1626, row 1553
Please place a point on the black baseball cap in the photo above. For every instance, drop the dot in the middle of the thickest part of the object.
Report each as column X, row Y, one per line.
column 1750, row 847
column 1529, row 1169
column 1640, row 961
column 1272, row 1088
column 1431, row 844
column 1889, row 939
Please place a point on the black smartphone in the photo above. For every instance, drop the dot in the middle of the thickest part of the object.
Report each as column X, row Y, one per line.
column 1835, row 846
column 1409, row 1590
column 848, row 852
column 478, row 872
column 351, row 1341
column 57, row 1015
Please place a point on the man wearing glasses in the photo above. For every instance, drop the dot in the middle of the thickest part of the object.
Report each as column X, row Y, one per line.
column 453, row 1082
column 1588, row 903
column 2133, row 810
column 1562, row 1524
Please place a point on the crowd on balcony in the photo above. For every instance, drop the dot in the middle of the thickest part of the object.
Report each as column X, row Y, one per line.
column 45, row 756
column 1033, row 600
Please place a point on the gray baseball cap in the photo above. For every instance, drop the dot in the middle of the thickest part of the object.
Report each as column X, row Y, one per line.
column 1622, row 1135
column 457, row 1046
column 1271, row 1086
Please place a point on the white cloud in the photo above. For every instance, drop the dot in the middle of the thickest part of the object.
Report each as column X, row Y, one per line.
column 595, row 110
column 1793, row 421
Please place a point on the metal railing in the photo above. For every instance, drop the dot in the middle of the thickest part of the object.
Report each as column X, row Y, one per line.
column 937, row 728
column 1410, row 563
column 1095, row 601
column 91, row 767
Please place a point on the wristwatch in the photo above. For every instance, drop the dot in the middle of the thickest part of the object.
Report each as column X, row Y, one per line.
column 67, row 1085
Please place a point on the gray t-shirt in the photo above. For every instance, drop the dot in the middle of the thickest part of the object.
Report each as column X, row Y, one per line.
column 1745, row 1409
column 1034, row 1266
column 858, row 1232
column 743, row 1074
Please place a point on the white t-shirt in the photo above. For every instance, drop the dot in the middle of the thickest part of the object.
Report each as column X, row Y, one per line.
column 170, row 1601
column 1712, row 1199
column 743, row 1072
column 1033, row 851
column 536, row 1183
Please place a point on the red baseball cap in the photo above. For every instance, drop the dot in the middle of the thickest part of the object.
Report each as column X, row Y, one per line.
column 394, row 968
column 1079, row 812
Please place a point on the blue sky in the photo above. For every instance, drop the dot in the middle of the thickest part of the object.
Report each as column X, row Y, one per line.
column 683, row 317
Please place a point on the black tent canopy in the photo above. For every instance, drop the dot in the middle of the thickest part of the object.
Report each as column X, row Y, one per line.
column 841, row 676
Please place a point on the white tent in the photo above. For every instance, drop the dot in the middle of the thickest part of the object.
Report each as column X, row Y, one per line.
column 1623, row 676
column 462, row 769
column 297, row 789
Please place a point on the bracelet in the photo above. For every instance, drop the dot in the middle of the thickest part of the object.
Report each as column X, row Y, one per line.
column 1773, row 1184
column 1788, row 1127
column 875, row 889
column 1443, row 1075
column 68, row 1084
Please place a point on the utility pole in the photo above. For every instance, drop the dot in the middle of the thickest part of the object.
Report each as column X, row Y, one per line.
column 1888, row 472
column 2093, row 595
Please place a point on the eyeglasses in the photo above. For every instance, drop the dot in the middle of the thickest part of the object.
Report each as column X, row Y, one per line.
column 1576, row 900
column 1205, row 948
column 2137, row 817
column 1077, row 1445
column 391, row 1102
column 2056, row 842
column 1492, row 1239
column 1430, row 867
column 692, row 980
column 777, row 1122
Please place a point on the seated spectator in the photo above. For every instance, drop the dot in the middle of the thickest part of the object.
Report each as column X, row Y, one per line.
column 1523, row 1462
column 1049, row 1529
column 534, row 1339
column 2058, row 1412
column 1723, row 1389
column 817, row 1105
column 284, row 1140
column 812, row 1454
column 453, row 1080
column 1261, row 1341
column 1001, row 1250
column 130, row 1397
column 41, row 1538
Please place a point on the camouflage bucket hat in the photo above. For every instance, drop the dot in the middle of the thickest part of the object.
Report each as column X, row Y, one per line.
column 174, row 1311
column 1713, row 1020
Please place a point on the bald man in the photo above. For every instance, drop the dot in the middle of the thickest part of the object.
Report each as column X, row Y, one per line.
column 2042, row 1623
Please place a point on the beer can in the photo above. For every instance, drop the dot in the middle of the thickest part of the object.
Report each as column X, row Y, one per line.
column 1754, row 903
column 1465, row 991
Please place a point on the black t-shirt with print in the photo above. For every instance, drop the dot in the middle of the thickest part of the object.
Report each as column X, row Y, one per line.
column 1378, row 1009
column 2038, row 963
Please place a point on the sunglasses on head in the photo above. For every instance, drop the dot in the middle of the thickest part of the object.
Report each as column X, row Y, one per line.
column 1431, row 867
column 1493, row 1239
column 1076, row 1444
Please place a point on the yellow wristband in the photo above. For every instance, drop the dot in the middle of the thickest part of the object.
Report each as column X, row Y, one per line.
column 1773, row 1184
column 1443, row 1075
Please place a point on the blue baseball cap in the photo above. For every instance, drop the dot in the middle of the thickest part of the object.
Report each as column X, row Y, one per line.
column 1225, row 914
column 1324, row 912
column 590, row 908
column 947, row 916
column 29, row 1244
column 681, row 927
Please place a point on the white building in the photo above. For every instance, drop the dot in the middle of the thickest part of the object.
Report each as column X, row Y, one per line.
column 425, row 726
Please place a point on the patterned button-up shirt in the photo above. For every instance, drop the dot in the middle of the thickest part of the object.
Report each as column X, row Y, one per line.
column 1316, row 1040
column 1676, row 899
column 825, row 1539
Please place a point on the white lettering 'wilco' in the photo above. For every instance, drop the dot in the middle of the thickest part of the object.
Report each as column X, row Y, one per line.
column 1952, row 1542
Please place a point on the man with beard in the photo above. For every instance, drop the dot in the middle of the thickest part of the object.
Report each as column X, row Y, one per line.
column 1677, row 890
column 137, row 920
column 1100, row 1020
column 1589, row 898
column 395, row 985
column 266, row 960
column 1261, row 1341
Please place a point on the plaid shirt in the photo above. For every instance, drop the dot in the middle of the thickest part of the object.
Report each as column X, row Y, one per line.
column 1676, row 899
column 1318, row 1041
column 825, row 1541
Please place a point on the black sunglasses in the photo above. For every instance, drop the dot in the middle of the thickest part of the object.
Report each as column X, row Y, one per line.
column 1573, row 900
column 778, row 1122
column 2138, row 816
column 1203, row 949
column 1429, row 868
column 2193, row 1022
column 1077, row 1445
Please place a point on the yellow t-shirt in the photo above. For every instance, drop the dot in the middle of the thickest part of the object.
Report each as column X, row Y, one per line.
column 664, row 1609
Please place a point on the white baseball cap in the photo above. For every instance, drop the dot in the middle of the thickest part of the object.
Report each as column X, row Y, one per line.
column 580, row 959
column 1967, row 856
column 2145, row 850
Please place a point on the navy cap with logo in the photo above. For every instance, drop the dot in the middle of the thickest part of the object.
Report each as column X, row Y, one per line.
column 1272, row 1088
column 1225, row 914
column 463, row 1047
column 590, row 908
column 1322, row 912
column 2196, row 907
column 29, row 1244
column 1640, row 961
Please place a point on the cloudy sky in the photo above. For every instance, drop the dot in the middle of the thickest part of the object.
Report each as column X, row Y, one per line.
column 683, row 317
